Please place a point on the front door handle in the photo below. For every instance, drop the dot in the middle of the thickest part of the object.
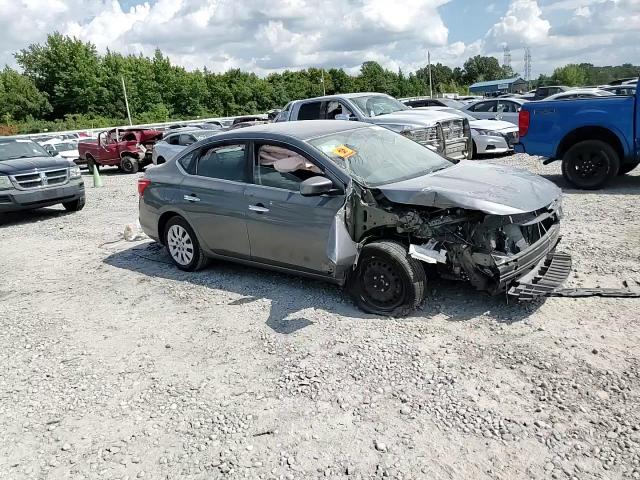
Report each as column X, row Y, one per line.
column 259, row 208
column 191, row 198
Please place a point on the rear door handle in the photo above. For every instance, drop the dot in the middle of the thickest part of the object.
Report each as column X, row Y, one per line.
column 191, row 198
column 259, row 208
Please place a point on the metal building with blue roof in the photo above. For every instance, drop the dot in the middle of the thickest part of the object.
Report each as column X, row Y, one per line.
column 496, row 87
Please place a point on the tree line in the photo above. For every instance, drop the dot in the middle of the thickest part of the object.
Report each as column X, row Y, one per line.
column 65, row 84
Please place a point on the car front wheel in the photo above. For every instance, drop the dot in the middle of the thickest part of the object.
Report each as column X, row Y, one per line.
column 183, row 245
column 387, row 281
column 75, row 205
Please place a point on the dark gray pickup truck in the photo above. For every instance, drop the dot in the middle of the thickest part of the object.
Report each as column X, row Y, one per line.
column 31, row 178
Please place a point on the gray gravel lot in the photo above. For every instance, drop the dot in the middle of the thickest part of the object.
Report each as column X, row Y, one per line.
column 114, row 364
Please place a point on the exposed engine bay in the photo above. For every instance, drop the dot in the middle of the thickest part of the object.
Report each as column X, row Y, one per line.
column 490, row 251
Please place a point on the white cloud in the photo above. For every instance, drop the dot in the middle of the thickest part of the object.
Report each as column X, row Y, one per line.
column 271, row 35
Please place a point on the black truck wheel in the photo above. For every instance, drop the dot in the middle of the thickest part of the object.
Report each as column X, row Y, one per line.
column 627, row 167
column 74, row 205
column 91, row 164
column 129, row 164
column 590, row 164
column 387, row 280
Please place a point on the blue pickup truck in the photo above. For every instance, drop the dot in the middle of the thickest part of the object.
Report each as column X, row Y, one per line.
column 596, row 138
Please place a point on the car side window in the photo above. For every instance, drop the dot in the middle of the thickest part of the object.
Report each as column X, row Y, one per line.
column 507, row 107
column 281, row 167
column 187, row 162
column 173, row 140
column 225, row 162
column 334, row 108
column 485, row 107
column 310, row 111
column 186, row 139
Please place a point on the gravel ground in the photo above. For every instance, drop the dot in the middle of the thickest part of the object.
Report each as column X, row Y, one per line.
column 114, row 364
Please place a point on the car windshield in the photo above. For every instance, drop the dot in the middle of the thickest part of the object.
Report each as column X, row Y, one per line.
column 374, row 105
column 450, row 102
column 21, row 149
column 64, row 146
column 376, row 156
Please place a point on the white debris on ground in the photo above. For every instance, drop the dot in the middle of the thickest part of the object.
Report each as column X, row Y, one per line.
column 116, row 365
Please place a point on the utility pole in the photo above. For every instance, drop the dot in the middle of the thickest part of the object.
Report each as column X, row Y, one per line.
column 324, row 91
column 527, row 67
column 506, row 57
column 126, row 100
column 430, row 80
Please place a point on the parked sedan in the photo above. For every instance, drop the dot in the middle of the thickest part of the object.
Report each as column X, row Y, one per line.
column 506, row 109
column 488, row 136
column 580, row 93
column 176, row 141
column 356, row 204
column 416, row 102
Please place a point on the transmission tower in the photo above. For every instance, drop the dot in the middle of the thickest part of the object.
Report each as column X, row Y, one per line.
column 527, row 66
column 506, row 58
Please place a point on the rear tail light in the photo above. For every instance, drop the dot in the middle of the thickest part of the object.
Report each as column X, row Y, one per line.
column 143, row 183
column 523, row 122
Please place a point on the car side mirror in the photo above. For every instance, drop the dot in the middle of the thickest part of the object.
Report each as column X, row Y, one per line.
column 315, row 186
column 344, row 116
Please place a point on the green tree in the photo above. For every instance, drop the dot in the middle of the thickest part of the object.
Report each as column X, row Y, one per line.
column 480, row 69
column 66, row 69
column 570, row 75
column 19, row 97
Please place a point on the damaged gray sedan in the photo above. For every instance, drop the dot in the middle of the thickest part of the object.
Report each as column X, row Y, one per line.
column 357, row 205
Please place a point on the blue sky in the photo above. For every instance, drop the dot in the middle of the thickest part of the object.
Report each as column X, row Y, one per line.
column 272, row 35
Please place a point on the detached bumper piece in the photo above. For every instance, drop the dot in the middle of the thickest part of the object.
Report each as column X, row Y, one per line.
column 543, row 280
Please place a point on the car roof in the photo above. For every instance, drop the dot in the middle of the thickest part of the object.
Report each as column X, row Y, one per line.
column 302, row 130
column 343, row 95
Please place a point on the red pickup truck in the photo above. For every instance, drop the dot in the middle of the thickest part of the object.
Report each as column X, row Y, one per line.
column 129, row 149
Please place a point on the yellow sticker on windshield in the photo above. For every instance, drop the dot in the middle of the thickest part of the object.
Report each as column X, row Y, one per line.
column 343, row 151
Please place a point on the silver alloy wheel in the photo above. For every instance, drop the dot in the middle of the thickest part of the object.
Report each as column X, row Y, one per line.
column 180, row 245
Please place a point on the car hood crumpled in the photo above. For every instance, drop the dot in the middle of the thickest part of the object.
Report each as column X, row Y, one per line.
column 493, row 189
column 19, row 165
column 419, row 118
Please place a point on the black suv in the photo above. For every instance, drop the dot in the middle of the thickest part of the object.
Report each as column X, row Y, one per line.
column 31, row 178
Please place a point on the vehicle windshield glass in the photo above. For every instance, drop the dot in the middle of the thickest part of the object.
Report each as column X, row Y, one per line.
column 450, row 102
column 376, row 156
column 21, row 149
column 201, row 135
column 374, row 105
column 65, row 146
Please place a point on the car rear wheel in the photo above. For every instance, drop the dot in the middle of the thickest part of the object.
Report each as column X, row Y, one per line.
column 75, row 205
column 129, row 164
column 387, row 280
column 590, row 164
column 183, row 245
column 627, row 167
column 91, row 164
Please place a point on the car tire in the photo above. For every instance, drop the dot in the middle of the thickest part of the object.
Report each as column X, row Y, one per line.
column 183, row 246
column 387, row 281
column 590, row 164
column 129, row 164
column 627, row 167
column 474, row 152
column 74, row 205
column 91, row 164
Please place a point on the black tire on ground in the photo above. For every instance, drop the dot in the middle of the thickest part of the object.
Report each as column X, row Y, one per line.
column 627, row 167
column 387, row 280
column 129, row 164
column 474, row 152
column 183, row 246
column 590, row 164
column 75, row 205
column 91, row 164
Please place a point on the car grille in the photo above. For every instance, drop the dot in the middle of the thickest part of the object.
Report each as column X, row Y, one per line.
column 453, row 129
column 41, row 179
column 425, row 136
